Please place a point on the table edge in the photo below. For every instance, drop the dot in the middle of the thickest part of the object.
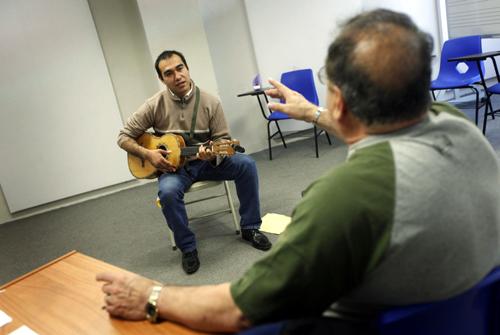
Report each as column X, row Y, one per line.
column 38, row 269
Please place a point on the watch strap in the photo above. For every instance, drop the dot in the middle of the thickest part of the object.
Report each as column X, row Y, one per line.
column 317, row 114
column 152, row 304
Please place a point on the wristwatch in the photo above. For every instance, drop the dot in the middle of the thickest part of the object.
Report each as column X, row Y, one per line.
column 152, row 304
column 317, row 114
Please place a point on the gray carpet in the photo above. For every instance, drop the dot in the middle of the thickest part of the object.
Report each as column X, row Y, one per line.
column 126, row 229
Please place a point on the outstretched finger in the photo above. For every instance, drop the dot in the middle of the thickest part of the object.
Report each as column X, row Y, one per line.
column 276, row 106
column 279, row 86
column 106, row 277
column 274, row 93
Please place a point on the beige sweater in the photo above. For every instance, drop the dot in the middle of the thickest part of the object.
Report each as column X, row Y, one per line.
column 167, row 113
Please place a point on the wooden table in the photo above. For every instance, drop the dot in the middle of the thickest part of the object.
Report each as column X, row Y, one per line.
column 63, row 297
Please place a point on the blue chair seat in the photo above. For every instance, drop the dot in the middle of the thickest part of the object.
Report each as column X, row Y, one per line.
column 301, row 81
column 495, row 89
column 445, row 83
column 475, row 311
column 450, row 77
column 277, row 116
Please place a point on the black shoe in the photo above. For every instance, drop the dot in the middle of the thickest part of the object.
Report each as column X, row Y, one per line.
column 258, row 240
column 190, row 261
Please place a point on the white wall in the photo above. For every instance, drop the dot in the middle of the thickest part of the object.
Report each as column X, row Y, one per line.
column 295, row 34
column 59, row 112
column 127, row 54
column 129, row 64
column 177, row 25
column 226, row 42
column 233, row 57
column 423, row 12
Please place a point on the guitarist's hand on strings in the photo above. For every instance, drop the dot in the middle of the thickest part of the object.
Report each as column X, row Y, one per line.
column 205, row 153
column 157, row 158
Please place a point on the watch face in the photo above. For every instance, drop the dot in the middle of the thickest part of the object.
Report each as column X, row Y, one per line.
column 151, row 312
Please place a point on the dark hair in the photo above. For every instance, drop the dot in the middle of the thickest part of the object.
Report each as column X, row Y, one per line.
column 166, row 55
column 381, row 62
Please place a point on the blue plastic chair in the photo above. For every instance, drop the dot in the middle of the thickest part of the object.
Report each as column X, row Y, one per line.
column 449, row 76
column 265, row 329
column 274, row 116
column 494, row 89
column 302, row 81
column 475, row 312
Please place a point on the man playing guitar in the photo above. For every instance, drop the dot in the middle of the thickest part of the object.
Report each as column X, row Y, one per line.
column 185, row 110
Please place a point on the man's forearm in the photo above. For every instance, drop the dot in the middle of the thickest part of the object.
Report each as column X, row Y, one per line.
column 132, row 147
column 207, row 308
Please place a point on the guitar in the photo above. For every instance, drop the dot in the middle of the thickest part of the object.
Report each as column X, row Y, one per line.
column 143, row 169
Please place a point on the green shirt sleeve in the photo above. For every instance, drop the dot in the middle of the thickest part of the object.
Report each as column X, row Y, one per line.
column 444, row 107
column 338, row 232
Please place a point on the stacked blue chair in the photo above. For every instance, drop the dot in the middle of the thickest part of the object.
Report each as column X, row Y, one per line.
column 302, row 81
column 475, row 312
column 450, row 77
column 495, row 89
column 274, row 116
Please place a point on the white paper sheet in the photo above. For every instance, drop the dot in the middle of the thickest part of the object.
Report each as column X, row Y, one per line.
column 274, row 223
column 23, row 330
column 4, row 319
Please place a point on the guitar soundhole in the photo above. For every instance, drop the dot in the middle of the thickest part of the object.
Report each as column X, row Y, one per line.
column 162, row 147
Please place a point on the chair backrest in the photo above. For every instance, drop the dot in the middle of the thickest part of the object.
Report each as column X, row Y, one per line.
column 301, row 81
column 456, row 47
column 477, row 311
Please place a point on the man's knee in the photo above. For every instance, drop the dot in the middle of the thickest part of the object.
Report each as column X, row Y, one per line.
column 245, row 163
column 170, row 194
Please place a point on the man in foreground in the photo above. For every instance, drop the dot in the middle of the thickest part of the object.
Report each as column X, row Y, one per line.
column 411, row 216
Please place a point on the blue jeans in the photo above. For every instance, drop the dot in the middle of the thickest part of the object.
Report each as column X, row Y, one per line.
column 172, row 186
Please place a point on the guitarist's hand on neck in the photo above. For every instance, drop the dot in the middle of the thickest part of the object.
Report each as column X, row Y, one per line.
column 204, row 152
column 157, row 158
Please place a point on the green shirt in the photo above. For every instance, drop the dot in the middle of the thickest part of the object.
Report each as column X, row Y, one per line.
column 360, row 232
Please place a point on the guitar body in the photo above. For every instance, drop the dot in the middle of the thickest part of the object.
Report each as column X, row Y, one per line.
column 143, row 169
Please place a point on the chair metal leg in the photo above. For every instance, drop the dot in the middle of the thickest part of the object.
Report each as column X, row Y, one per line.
column 316, row 141
column 488, row 104
column 281, row 135
column 328, row 137
column 433, row 95
column 231, row 207
column 172, row 239
column 269, row 140
column 476, row 117
column 170, row 232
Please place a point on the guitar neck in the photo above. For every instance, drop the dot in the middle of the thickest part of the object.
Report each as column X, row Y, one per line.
column 219, row 149
column 190, row 151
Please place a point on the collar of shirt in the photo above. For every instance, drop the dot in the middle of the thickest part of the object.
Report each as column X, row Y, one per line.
column 409, row 131
column 183, row 100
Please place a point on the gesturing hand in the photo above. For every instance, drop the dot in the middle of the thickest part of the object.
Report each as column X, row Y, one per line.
column 295, row 106
column 126, row 295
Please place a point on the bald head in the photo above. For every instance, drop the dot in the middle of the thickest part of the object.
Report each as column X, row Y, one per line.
column 381, row 63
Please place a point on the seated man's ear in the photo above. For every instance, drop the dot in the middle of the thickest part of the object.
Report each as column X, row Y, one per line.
column 335, row 102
